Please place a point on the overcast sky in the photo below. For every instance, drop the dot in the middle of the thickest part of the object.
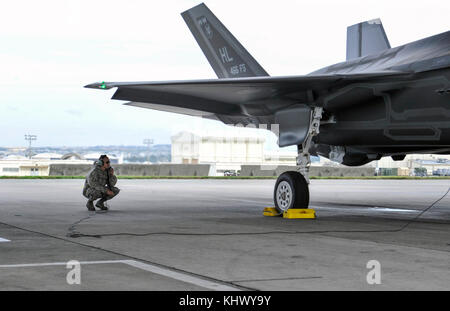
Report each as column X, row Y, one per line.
column 50, row 49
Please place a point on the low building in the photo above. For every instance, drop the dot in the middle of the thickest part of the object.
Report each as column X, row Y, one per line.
column 73, row 156
column 434, row 164
column 226, row 153
column 32, row 167
column 47, row 156
column 12, row 157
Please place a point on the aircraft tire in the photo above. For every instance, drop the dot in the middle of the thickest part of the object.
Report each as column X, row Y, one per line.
column 291, row 191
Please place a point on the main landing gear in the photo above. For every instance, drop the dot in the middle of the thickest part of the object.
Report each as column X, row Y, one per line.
column 291, row 189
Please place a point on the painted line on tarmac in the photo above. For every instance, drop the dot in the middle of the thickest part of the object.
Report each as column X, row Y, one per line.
column 47, row 264
column 184, row 277
column 375, row 209
column 181, row 276
column 4, row 240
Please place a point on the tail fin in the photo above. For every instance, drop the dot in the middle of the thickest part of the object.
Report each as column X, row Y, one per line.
column 366, row 38
column 227, row 56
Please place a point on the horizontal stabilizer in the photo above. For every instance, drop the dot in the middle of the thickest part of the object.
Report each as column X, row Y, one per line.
column 366, row 38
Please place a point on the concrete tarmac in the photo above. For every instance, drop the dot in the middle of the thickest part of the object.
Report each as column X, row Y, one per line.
column 211, row 235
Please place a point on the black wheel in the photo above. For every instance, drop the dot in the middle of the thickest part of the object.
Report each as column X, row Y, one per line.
column 291, row 191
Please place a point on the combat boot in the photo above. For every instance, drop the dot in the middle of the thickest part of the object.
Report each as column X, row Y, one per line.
column 100, row 205
column 90, row 205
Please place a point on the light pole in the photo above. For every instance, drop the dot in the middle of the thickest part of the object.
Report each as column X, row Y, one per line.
column 148, row 142
column 30, row 138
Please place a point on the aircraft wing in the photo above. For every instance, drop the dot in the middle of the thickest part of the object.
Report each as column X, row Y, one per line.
column 251, row 97
column 256, row 100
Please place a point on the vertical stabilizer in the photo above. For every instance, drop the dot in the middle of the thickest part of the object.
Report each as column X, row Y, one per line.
column 226, row 55
column 366, row 38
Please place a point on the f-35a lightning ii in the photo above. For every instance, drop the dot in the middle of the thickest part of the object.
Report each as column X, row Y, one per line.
column 381, row 101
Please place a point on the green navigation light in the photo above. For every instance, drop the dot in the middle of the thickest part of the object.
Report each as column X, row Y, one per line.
column 103, row 85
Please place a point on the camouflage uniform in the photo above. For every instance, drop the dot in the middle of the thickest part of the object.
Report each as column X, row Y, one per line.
column 95, row 184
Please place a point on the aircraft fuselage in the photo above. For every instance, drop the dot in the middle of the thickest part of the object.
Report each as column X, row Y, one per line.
column 391, row 116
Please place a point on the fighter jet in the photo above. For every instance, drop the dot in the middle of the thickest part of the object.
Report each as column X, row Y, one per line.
column 381, row 101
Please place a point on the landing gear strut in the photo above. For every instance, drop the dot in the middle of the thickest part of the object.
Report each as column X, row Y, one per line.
column 291, row 189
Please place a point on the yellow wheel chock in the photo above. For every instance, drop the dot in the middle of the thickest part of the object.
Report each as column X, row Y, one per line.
column 293, row 213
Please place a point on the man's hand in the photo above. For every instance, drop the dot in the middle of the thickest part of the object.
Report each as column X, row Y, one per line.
column 111, row 171
column 109, row 192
